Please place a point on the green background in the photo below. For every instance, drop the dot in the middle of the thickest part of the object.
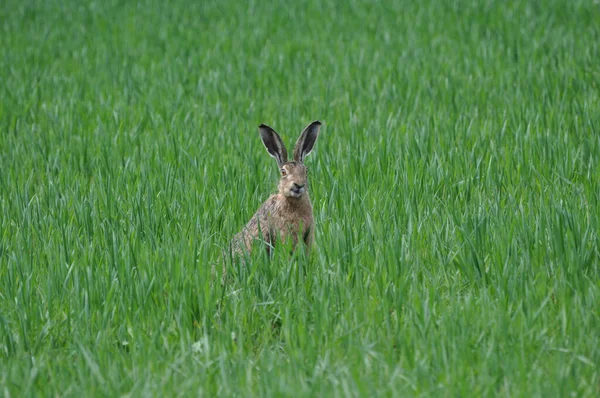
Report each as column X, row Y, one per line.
column 454, row 183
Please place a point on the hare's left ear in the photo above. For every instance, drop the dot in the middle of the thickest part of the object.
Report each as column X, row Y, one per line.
column 307, row 140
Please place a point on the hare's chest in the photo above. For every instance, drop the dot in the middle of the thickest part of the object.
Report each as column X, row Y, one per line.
column 294, row 225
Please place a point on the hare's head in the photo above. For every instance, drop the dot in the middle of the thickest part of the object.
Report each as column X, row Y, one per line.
column 293, row 173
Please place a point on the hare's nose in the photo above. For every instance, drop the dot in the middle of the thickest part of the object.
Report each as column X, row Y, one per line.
column 298, row 186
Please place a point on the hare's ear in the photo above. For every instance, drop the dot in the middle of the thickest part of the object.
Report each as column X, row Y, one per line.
column 306, row 141
column 273, row 143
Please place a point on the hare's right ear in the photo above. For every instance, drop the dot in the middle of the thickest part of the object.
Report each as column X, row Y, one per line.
column 273, row 143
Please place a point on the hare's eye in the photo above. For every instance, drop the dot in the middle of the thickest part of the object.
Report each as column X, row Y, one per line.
column 283, row 172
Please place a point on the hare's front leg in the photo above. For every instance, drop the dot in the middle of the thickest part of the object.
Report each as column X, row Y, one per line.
column 308, row 238
column 269, row 241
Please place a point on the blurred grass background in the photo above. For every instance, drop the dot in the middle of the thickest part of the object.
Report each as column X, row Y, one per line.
column 455, row 187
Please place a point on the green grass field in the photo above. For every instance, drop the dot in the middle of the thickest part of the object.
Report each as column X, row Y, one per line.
column 455, row 183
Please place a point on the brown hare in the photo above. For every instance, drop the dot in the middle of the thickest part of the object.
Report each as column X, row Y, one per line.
column 287, row 214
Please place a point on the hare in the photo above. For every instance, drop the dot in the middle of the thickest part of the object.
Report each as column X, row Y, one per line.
column 287, row 214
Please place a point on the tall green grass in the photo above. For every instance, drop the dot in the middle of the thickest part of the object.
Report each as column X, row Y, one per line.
column 455, row 188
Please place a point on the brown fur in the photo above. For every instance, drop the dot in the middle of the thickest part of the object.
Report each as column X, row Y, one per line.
column 281, row 216
column 288, row 214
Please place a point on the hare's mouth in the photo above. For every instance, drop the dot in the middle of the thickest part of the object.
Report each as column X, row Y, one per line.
column 297, row 192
